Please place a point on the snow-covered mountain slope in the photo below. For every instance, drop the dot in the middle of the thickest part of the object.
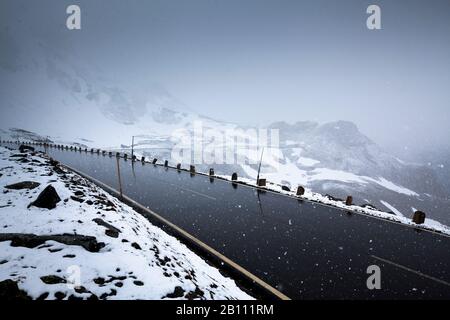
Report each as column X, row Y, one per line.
column 336, row 158
column 59, row 97
column 90, row 245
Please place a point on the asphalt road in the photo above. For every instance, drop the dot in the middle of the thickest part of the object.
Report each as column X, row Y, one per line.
column 304, row 249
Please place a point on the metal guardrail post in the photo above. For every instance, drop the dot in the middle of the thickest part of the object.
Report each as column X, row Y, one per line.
column 349, row 201
column 300, row 191
column 419, row 217
column 261, row 182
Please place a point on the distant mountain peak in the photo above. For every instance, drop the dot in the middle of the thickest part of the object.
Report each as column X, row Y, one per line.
column 344, row 133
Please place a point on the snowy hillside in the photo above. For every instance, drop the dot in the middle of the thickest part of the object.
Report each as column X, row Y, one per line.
column 88, row 245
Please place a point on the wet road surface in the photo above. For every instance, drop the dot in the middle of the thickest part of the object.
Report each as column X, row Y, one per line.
column 304, row 249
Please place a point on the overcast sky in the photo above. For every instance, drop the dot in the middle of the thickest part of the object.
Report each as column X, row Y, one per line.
column 257, row 61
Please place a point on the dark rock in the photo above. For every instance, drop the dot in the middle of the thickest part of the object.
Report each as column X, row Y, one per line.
column 31, row 241
column 113, row 292
column 138, row 283
column 99, row 281
column 43, row 296
column 53, row 162
column 51, row 279
column 76, row 199
column 177, row 293
column 198, row 293
column 58, row 170
column 10, row 291
column 93, row 297
column 23, row 148
column 111, row 231
column 136, row 246
column 23, row 185
column 47, row 199
column 60, row 295
column 285, row 188
column 80, row 289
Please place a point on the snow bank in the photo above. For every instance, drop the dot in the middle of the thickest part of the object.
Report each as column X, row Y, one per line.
column 133, row 260
column 429, row 224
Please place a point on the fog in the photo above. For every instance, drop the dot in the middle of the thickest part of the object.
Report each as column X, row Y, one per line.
column 254, row 62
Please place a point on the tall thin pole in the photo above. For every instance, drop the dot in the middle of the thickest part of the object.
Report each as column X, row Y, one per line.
column 132, row 148
column 259, row 167
column 118, row 175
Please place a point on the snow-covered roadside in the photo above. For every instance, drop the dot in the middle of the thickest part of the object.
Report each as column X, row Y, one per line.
column 90, row 245
column 429, row 224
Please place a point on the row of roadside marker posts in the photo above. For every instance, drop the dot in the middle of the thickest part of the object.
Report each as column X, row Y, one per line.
column 418, row 217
